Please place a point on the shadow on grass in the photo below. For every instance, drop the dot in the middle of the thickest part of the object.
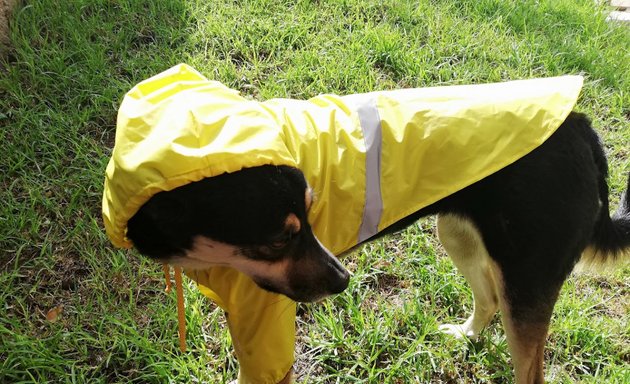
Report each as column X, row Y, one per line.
column 61, row 83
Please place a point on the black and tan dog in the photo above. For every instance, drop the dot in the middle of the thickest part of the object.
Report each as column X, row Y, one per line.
column 249, row 195
column 515, row 235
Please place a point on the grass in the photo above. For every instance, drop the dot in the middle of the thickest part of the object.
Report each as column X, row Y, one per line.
column 60, row 86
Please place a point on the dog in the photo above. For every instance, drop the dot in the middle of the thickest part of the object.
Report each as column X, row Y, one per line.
column 515, row 235
column 515, row 230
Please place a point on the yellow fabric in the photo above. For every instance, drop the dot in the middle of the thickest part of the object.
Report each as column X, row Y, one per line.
column 262, row 324
column 179, row 127
column 439, row 140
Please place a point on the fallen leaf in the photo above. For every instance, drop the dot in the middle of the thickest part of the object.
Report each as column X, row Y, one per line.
column 53, row 314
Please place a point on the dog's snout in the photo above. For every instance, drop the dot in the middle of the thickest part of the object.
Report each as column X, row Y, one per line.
column 316, row 275
column 340, row 283
column 340, row 277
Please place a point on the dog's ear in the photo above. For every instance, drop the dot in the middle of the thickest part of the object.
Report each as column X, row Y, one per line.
column 158, row 229
column 166, row 211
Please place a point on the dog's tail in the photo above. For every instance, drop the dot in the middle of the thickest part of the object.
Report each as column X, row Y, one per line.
column 610, row 244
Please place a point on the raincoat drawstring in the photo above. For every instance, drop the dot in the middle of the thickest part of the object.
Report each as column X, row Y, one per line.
column 181, row 314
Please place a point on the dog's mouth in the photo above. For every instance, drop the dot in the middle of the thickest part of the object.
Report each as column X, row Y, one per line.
column 308, row 280
column 315, row 281
column 310, row 293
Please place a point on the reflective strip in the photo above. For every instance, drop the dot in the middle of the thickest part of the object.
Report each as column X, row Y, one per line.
column 372, row 133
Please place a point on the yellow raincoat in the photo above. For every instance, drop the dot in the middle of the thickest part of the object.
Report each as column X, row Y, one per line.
column 371, row 159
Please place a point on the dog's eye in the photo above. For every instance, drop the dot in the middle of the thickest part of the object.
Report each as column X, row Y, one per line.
column 281, row 241
column 279, row 244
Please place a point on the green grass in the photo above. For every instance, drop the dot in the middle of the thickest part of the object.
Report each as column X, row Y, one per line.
column 60, row 86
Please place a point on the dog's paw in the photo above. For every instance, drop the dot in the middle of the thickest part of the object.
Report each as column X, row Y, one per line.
column 459, row 331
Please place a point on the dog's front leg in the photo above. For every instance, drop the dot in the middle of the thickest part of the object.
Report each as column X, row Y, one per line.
column 288, row 379
column 261, row 323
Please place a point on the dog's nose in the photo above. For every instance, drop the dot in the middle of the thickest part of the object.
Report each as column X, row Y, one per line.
column 339, row 278
column 340, row 283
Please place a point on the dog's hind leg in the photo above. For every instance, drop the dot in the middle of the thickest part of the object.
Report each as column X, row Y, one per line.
column 525, row 298
column 464, row 245
column 526, row 342
column 529, row 277
column 526, row 311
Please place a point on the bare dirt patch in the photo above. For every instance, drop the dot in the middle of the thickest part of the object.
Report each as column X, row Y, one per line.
column 6, row 9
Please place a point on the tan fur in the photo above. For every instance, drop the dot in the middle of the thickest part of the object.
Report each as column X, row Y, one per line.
column 207, row 253
column 593, row 260
column 526, row 342
column 288, row 379
column 463, row 244
column 292, row 223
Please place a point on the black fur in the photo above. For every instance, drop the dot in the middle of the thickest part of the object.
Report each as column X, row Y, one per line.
column 536, row 215
column 245, row 208
column 535, row 218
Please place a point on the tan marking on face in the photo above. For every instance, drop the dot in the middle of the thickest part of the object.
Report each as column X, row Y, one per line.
column 292, row 223
column 275, row 272
column 206, row 253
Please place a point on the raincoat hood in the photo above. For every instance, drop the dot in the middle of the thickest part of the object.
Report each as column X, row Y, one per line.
column 371, row 159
